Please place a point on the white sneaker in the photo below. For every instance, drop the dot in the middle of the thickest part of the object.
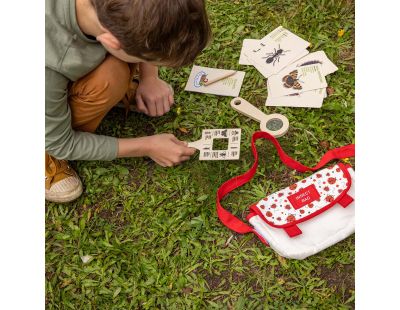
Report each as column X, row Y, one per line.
column 62, row 183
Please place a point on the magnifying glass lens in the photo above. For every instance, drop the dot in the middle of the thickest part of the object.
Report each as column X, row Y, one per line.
column 274, row 124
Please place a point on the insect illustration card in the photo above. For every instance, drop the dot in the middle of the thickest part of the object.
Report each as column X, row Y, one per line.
column 248, row 46
column 328, row 67
column 255, row 49
column 308, row 99
column 252, row 47
column 279, row 49
column 229, row 86
column 299, row 80
column 260, row 68
column 209, row 146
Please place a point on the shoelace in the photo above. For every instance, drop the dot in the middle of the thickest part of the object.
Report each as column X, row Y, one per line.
column 54, row 167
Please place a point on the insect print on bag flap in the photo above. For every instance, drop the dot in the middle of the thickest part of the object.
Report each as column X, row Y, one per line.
column 274, row 56
column 292, row 80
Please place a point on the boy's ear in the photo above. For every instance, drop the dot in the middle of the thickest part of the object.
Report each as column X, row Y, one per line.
column 107, row 39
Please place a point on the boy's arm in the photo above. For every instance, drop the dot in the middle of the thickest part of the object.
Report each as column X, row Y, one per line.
column 147, row 70
column 165, row 149
column 154, row 97
column 61, row 140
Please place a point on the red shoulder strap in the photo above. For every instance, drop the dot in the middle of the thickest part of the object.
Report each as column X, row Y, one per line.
column 234, row 223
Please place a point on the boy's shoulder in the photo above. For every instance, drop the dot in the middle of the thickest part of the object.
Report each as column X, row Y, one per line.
column 68, row 50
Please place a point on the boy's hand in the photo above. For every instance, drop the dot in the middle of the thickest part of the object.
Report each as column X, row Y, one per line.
column 167, row 151
column 154, row 97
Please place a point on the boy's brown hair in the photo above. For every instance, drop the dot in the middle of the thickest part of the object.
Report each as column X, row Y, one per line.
column 170, row 31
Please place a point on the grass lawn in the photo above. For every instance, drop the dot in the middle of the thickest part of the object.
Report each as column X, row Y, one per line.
column 152, row 233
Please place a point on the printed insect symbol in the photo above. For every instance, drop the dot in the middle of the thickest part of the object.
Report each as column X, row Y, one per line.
column 290, row 218
column 223, row 154
column 275, row 56
column 203, row 79
column 292, row 80
column 311, row 62
column 255, row 51
column 200, row 79
column 224, row 132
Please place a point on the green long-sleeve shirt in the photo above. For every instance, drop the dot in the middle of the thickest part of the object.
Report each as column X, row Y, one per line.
column 69, row 56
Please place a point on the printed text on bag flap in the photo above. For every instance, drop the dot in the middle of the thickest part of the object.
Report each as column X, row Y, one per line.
column 304, row 197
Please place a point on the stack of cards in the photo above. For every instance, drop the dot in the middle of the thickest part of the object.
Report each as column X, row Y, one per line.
column 295, row 77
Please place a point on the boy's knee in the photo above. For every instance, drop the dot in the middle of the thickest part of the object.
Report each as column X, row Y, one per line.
column 117, row 74
column 107, row 84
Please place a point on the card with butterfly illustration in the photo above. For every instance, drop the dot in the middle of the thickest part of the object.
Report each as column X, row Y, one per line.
column 301, row 79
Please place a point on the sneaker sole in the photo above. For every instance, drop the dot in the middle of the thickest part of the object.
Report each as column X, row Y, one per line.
column 65, row 197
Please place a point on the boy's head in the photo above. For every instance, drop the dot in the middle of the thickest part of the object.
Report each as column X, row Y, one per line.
column 171, row 32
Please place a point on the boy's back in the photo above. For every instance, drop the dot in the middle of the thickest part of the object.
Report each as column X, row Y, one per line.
column 93, row 49
column 70, row 55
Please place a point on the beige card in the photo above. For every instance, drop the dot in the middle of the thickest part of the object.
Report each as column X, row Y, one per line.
column 308, row 99
column 229, row 86
column 319, row 57
column 248, row 46
column 277, row 50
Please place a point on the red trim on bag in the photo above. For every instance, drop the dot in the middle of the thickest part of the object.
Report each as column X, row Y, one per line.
column 248, row 217
column 293, row 231
column 251, row 214
column 304, row 196
column 346, row 174
column 261, row 238
column 345, row 201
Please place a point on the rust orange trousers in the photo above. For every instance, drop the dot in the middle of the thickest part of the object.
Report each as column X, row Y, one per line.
column 93, row 96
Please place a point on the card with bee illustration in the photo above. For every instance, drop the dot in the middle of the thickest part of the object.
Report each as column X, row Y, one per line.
column 298, row 80
column 277, row 50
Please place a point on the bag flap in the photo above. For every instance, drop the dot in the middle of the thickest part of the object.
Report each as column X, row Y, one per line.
column 306, row 198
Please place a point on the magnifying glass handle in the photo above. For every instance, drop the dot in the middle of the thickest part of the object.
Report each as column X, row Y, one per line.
column 246, row 108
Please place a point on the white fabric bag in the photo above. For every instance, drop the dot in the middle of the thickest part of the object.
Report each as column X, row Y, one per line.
column 306, row 217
